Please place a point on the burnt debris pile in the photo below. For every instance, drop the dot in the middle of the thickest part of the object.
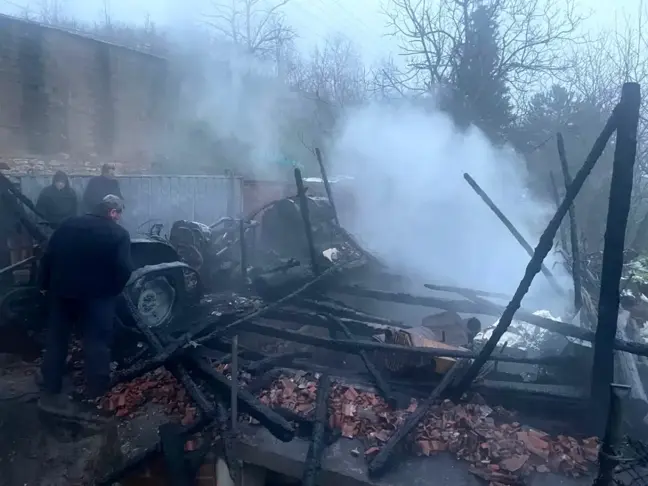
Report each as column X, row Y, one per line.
column 246, row 322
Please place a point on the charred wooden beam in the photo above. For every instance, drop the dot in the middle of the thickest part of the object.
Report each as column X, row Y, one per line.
column 275, row 361
column 318, row 444
column 542, row 250
column 573, row 230
column 303, row 209
column 327, row 184
column 381, row 384
column 553, row 185
column 381, row 461
column 357, row 327
column 466, row 307
column 516, row 234
column 246, row 402
column 234, row 386
column 177, row 370
column 164, row 354
column 625, row 152
column 463, row 290
column 227, row 436
column 258, row 313
column 608, row 459
column 346, row 312
column 354, row 347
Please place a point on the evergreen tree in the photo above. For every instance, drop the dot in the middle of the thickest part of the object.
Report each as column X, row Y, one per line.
column 480, row 95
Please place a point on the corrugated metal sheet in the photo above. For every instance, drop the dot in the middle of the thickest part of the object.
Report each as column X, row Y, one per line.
column 162, row 199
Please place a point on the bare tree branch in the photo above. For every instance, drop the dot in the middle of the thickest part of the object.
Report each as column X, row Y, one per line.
column 257, row 25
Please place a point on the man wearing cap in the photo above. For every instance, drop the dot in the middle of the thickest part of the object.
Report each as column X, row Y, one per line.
column 86, row 265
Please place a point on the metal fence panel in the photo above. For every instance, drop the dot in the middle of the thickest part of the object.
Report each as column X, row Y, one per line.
column 160, row 199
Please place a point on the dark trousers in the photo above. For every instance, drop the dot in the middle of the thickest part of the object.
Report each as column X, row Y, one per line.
column 95, row 320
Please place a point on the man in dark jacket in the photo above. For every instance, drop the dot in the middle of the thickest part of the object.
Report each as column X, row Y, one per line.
column 58, row 201
column 100, row 186
column 86, row 265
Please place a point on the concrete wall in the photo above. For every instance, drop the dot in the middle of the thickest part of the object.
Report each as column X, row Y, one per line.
column 71, row 102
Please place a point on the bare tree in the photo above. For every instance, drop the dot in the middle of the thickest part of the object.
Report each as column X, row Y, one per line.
column 334, row 73
column 532, row 38
column 257, row 25
column 332, row 78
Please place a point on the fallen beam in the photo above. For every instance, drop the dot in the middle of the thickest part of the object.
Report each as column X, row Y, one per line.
column 276, row 361
column 466, row 307
column 354, row 347
column 258, row 313
column 247, row 403
column 346, row 312
column 381, row 384
column 381, row 461
column 463, row 290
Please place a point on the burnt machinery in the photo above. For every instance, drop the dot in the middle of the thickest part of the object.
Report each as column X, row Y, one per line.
column 268, row 243
column 161, row 288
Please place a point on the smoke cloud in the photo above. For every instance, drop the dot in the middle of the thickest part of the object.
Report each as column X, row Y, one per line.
column 413, row 208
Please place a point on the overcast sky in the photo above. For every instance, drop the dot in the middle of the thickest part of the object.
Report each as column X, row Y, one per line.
column 360, row 20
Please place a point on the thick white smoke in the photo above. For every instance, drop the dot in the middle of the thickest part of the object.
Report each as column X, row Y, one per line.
column 412, row 206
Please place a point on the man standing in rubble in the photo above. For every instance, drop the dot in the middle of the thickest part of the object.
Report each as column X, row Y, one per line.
column 86, row 265
column 100, row 186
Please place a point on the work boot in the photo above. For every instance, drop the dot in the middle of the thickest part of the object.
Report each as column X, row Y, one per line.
column 60, row 405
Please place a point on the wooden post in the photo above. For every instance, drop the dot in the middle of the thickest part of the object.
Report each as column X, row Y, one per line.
column 327, row 185
column 556, row 197
column 612, row 436
column 614, row 245
column 303, row 209
column 573, row 232
column 542, row 250
column 235, row 384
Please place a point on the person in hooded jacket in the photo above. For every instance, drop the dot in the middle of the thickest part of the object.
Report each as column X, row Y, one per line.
column 101, row 186
column 58, row 201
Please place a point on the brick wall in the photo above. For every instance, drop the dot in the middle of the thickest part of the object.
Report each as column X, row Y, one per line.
column 71, row 102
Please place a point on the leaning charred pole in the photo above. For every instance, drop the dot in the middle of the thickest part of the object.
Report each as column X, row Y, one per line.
column 318, row 440
column 380, row 382
column 542, row 250
column 516, row 234
column 383, row 459
column 556, row 196
column 303, row 209
column 573, row 231
column 627, row 113
column 327, row 184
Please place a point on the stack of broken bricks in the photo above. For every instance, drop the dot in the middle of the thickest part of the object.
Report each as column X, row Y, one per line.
column 498, row 449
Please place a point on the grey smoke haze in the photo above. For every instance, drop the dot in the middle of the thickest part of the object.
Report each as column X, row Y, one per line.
column 413, row 207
